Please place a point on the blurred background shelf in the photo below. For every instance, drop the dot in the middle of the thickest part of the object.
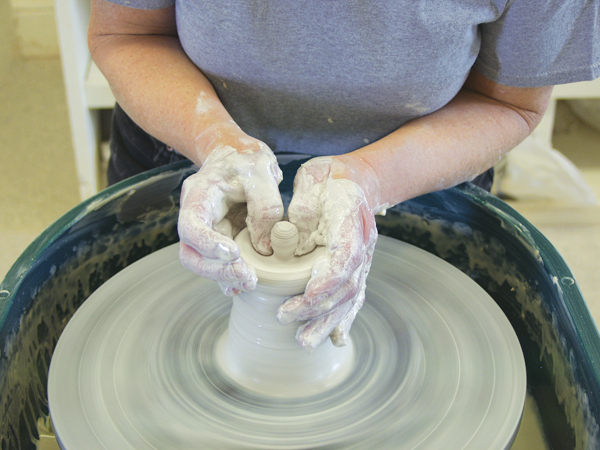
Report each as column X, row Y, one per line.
column 97, row 92
column 86, row 89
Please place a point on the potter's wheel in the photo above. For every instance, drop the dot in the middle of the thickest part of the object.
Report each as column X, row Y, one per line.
column 437, row 366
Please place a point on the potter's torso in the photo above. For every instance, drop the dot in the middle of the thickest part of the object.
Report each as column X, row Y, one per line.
column 330, row 77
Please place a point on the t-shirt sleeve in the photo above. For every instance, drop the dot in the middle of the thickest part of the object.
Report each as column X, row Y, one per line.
column 542, row 43
column 144, row 4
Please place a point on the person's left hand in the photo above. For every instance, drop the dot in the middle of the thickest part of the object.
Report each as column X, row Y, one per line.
column 333, row 211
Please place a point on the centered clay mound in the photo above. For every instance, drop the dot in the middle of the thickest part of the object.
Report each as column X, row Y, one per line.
column 436, row 366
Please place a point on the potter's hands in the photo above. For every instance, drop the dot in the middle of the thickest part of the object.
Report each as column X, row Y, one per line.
column 233, row 189
column 329, row 209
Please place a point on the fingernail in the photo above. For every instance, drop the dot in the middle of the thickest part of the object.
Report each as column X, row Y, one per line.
column 224, row 253
column 285, row 318
column 319, row 299
column 308, row 349
column 339, row 339
column 228, row 290
column 263, row 246
column 326, row 305
column 306, row 345
column 249, row 285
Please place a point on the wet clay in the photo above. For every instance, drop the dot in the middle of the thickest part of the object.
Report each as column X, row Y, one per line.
column 257, row 351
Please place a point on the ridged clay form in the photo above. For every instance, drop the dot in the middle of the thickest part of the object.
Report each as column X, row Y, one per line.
column 257, row 351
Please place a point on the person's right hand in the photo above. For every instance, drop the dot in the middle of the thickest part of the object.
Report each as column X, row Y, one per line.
column 234, row 188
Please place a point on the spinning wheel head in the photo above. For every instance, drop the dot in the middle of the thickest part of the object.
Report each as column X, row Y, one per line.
column 435, row 364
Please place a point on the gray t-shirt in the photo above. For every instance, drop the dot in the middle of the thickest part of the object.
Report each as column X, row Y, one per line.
column 328, row 77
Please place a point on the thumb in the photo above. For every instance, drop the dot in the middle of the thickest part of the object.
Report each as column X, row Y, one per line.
column 265, row 209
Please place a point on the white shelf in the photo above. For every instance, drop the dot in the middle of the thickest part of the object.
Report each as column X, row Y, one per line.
column 87, row 91
column 584, row 89
column 97, row 91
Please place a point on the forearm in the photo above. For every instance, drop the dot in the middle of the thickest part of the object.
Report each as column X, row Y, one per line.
column 158, row 85
column 455, row 144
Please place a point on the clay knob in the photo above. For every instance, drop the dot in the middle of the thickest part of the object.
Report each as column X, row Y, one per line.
column 284, row 240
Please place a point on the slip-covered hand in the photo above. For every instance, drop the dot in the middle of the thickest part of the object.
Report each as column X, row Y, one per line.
column 233, row 189
column 333, row 211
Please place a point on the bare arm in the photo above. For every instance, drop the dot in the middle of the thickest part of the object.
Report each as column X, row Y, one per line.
column 156, row 83
column 455, row 144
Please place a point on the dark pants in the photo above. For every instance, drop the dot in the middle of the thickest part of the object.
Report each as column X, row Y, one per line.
column 134, row 151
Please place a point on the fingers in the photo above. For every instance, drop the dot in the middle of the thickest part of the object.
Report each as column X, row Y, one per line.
column 230, row 190
column 339, row 335
column 260, row 221
column 228, row 290
column 313, row 333
column 305, row 208
column 332, row 315
column 306, row 307
column 264, row 204
column 203, row 204
column 336, row 323
column 265, row 209
column 196, row 233
column 233, row 277
column 350, row 236
column 333, row 212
